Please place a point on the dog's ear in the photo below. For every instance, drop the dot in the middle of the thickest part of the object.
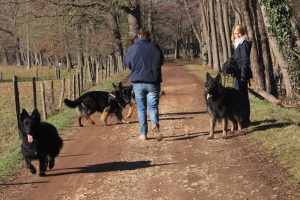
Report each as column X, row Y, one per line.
column 115, row 86
column 218, row 77
column 24, row 114
column 208, row 77
column 36, row 114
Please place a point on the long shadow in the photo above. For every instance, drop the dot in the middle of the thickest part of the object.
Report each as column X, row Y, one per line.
column 73, row 155
column 184, row 136
column 270, row 126
column 184, row 113
column 12, row 184
column 109, row 167
column 256, row 127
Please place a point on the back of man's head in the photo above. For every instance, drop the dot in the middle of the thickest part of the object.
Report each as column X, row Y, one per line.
column 143, row 32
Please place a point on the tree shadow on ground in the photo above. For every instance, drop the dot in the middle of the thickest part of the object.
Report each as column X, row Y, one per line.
column 263, row 125
column 23, row 183
column 183, row 113
column 187, row 136
column 108, row 167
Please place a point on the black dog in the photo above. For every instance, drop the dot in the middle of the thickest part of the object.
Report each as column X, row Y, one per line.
column 222, row 104
column 230, row 67
column 40, row 140
column 100, row 101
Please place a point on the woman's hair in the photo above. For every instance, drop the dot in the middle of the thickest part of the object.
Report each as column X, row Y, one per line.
column 143, row 32
column 239, row 29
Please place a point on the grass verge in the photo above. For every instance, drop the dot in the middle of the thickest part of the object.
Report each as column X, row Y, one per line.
column 277, row 129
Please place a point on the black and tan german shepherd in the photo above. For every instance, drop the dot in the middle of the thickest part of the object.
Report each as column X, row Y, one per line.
column 128, row 90
column 100, row 101
column 40, row 141
column 222, row 104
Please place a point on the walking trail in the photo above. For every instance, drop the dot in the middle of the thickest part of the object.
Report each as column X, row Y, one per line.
column 99, row 162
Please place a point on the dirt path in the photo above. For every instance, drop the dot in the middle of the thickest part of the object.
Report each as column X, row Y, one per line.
column 111, row 163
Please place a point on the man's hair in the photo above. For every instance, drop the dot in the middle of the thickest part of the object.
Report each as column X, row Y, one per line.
column 145, row 33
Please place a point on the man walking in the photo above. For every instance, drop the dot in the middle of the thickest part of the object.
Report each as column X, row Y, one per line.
column 145, row 59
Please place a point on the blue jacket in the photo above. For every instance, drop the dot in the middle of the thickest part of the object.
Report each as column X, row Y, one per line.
column 242, row 57
column 145, row 59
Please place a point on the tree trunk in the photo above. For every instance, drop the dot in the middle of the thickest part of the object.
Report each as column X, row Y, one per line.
column 258, row 72
column 226, row 26
column 222, row 31
column 4, row 58
column 266, row 55
column 280, row 59
column 80, row 59
column 196, row 32
column 134, row 18
column 18, row 54
column 118, row 48
column 150, row 22
column 215, row 51
column 206, row 33
column 237, row 13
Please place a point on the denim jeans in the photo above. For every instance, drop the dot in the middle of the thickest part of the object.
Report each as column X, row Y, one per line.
column 147, row 94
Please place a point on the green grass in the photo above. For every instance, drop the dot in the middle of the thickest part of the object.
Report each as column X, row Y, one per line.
column 277, row 129
column 10, row 155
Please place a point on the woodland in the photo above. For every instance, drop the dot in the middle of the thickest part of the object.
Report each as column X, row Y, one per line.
column 80, row 33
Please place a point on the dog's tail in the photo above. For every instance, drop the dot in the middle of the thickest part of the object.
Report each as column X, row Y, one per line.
column 72, row 104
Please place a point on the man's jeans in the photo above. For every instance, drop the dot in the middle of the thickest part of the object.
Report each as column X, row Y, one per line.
column 147, row 94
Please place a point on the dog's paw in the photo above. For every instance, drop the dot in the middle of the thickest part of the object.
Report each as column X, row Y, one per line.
column 33, row 170
column 42, row 174
column 51, row 163
column 92, row 122
column 225, row 137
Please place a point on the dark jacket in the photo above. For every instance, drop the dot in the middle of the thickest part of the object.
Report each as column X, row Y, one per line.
column 242, row 57
column 145, row 59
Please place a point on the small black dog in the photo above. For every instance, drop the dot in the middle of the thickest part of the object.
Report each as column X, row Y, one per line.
column 40, row 140
column 222, row 104
column 100, row 101
column 230, row 67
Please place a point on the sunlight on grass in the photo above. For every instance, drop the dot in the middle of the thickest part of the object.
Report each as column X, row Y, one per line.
column 10, row 156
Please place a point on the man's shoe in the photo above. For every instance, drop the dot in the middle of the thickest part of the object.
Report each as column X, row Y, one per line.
column 157, row 134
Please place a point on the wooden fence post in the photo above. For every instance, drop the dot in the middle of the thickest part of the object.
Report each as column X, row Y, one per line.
column 62, row 92
column 69, row 88
column 34, row 93
column 43, row 101
column 17, row 100
column 78, row 82
column 82, row 79
column 52, row 91
column 74, row 86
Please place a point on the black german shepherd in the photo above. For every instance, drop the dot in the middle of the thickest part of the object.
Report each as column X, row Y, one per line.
column 100, row 101
column 40, row 140
column 222, row 104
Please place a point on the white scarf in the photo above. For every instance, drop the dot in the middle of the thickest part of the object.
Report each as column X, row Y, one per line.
column 239, row 41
